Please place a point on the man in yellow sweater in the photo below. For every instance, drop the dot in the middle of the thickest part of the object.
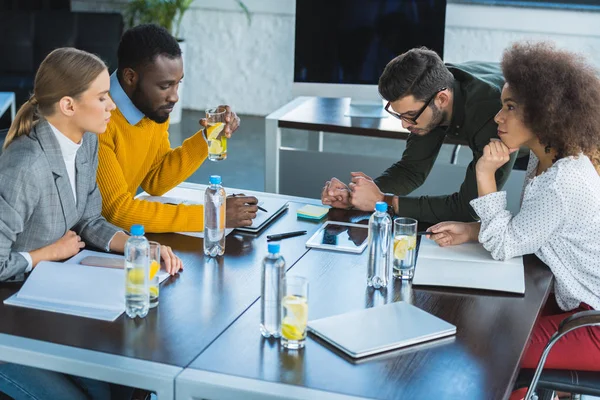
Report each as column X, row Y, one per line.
column 135, row 150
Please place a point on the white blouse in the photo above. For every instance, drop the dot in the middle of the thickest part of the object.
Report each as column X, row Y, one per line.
column 68, row 149
column 559, row 222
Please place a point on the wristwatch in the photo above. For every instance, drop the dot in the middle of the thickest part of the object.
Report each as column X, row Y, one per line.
column 388, row 198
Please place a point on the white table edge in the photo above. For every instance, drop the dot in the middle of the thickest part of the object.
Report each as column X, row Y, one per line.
column 92, row 364
column 194, row 384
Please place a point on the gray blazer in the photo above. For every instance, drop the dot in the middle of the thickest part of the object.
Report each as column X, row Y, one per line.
column 37, row 206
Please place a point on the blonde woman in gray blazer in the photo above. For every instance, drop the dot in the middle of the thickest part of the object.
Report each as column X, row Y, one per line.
column 50, row 205
column 40, row 218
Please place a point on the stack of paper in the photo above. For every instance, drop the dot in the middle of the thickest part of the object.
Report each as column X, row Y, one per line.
column 312, row 212
column 75, row 289
column 468, row 265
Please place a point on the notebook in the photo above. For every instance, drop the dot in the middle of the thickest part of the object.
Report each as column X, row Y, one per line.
column 275, row 207
column 179, row 200
column 75, row 289
column 375, row 330
column 468, row 265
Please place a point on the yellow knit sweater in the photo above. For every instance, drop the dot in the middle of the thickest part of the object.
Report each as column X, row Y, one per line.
column 131, row 156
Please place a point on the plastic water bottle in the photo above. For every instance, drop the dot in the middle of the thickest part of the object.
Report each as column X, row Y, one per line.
column 273, row 270
column 137, row 267
column 214, row 218
column 380, row 234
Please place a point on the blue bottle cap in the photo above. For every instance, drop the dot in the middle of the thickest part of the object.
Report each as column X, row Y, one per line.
column 274, row 248
column 381, row 206
column 137, row 230
column 214, row 180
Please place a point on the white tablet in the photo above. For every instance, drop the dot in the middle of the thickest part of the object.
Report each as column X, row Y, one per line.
column 340, row 236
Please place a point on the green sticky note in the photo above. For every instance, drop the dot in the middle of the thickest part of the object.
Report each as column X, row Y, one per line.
column 312, row 212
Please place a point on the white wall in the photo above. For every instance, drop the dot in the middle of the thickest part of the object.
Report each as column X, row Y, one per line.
column 251, row 66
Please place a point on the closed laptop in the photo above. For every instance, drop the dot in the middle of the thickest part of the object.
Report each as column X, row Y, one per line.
column 375, row 330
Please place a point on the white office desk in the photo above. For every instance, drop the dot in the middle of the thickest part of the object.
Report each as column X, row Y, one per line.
column 7, row 99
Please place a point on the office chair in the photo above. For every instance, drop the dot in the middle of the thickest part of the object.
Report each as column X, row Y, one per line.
column 545, row 383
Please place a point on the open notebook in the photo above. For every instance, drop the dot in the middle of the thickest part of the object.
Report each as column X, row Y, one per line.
column 180, row 200
column 274, row 207
column 75, row 289
column 468, row 265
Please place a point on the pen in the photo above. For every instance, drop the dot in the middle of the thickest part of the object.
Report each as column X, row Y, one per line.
column 424, row 233
column 280, row 236
column 259, row 207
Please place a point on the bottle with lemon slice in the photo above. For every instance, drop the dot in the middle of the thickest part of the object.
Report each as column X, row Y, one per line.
column 217, row 141
column 405, row 245
column 294, row 307
column 137, row 249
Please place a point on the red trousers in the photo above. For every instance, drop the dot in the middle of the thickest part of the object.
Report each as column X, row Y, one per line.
column 577, row 350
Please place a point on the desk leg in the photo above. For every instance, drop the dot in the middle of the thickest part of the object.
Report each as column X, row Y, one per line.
column 13, row 110
column 272, row 145
column 454, row 159
column 315, row 141
column 166, row 393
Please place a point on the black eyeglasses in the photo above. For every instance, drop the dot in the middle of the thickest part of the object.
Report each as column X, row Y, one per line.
column 412, row 120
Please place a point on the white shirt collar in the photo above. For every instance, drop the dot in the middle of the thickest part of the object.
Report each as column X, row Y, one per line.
column 68, row 148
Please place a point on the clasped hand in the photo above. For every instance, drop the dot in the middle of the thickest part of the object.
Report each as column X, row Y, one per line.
column 361, row 193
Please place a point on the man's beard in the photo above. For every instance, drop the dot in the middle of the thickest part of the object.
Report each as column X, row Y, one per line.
column 139, row 100
column 438, row 117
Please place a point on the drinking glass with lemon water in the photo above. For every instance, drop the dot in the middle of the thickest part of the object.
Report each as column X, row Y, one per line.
column 294, row 307
column 153, row 274
column 405, row 245
column 215, row 135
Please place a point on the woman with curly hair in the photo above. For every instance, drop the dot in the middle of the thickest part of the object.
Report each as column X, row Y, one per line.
column 551, row 104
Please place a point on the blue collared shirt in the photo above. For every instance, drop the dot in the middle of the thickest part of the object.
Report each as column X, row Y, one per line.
column 123, row 102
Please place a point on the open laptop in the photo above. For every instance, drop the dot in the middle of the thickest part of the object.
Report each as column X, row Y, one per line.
column 375, row 330
column 274, row 207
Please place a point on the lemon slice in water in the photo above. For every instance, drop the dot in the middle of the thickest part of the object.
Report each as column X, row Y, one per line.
column 402, row 244
column 154, row 267
column 215, row 147
column 212, row 131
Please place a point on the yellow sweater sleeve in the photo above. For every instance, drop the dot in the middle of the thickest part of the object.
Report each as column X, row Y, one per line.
column 173, row 166
column 120, row 208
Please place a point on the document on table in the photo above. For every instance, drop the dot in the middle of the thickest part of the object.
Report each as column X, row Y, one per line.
column 187, row 200
column 468, row 265
column 75, row 289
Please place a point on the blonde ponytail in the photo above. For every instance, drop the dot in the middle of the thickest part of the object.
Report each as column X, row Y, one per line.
column 23, row 121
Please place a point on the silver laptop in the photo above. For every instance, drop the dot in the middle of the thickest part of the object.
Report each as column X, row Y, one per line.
column 375, row 330
column 274, row 207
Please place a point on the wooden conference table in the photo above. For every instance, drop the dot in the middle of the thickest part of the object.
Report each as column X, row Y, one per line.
column 203, row 342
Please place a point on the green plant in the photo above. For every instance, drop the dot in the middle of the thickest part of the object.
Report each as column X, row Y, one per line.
column 166, row 13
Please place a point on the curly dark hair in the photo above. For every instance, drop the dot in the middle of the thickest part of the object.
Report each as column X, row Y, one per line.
column 560, row 95
column 141, row 45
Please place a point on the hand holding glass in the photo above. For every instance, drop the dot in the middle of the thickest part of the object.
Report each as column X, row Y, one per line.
column 215, row 134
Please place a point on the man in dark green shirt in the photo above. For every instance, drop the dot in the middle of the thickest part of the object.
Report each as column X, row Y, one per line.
column 432, row 100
